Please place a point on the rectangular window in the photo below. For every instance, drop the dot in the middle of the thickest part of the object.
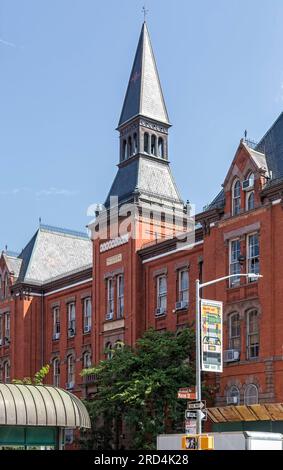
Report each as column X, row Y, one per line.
column 7, row 328
column 110, row 299
column 235, row 267
column 56, row 323
column 252, row 335
column 71, row 371
column 87, row 315
column 1, row 330
column 71, row 320
column 161, row 294
column 120, row 296
column 234, row 332
column 253, row 255
column 184, row 286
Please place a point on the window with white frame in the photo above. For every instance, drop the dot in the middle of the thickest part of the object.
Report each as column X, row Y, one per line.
column 236, row 197
column 235, row 267
column 253, row 255
column 110, row 298
column 184, row 286
column 71, row 371
column 6, row 285
column 7, row 320
column 234, row 331
column 87, row 315
column 87, row 360
column 252, row 334
column 120, row 296
column 109, row 350
column 233, row 396
column 56, row 372
column 7, row 372
column 161, row 294
column 71, row 319
column 250, row 201
column 251, row 395
column 56, row 322
column 1, row 330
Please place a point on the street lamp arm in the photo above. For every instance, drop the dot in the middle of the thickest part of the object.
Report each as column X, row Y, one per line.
column 249, row 275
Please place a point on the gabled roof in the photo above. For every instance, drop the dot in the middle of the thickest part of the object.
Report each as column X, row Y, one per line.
column 52, row 252
column 13, row 264
column 144, row 94
column 146, row 177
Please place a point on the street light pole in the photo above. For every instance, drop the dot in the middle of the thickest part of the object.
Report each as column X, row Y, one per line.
column 198, row 334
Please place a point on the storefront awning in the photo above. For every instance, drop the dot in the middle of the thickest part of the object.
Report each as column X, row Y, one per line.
column 259, row 412
column 30, row 405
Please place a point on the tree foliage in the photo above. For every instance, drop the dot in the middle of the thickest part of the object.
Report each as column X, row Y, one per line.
column 138, row 387
column 36, row 380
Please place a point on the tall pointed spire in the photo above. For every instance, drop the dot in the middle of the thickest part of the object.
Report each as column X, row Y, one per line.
column 144, row 95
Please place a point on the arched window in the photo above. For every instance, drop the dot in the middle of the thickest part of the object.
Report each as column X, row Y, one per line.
column 236, row 197
column 130, row 147
column 251, row 395
column 160, row 147
column 87, row 360
column 146, row 143
column 56, row 372
column 119, row 344
column 233, row 396
column 250, row 201
column 234, row 332
column 109, row 350
column 135, row 144
column 70, row 371
column 252, row 334
column 6, row 377
column 153, row 145
column 6, row 284
column 124, row 150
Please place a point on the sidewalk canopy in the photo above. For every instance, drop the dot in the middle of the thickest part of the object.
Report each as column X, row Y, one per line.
column 41, row 405
column 259, row 412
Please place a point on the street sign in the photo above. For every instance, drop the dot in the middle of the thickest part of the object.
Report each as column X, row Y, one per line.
column 196, row 405
column 192, row 414
column 211, row 336
column 188, row 393
column 190, row 426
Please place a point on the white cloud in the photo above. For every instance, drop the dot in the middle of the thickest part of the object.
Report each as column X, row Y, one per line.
column 7, row 43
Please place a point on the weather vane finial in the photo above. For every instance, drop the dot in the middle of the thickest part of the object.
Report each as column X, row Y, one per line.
column 145, row 12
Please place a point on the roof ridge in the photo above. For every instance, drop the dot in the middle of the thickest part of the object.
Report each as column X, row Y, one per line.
column 63, row 231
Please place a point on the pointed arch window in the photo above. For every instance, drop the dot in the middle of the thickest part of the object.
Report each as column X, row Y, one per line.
column 130, row 147
column 109, row 350
column 146, row 142
column 251, row 395
column 160, row 147
column 153, row 145
column 135, row 150
column 236, row 197
column 250, row 201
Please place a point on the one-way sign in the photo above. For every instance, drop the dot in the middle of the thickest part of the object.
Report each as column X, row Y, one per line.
column 196, row 405
column 192, row 414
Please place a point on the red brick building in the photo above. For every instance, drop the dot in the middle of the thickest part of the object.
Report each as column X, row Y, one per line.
column 66, row 298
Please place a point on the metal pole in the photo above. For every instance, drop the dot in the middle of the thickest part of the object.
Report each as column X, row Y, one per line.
column 198, row 358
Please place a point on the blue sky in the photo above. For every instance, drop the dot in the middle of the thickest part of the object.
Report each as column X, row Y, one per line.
column 64, row 68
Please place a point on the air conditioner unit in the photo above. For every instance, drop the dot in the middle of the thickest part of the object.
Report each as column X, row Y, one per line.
column 181, row 304
column 87, row 329
column 232, row 400
column 231, row 355
column 71, row 332
column 160, row 311
column 56, row 336
column 69, row 385
column 109, row 316
column 247, row 185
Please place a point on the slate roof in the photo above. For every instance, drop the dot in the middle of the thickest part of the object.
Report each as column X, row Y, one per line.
column 147, row 177
column 144, row 93
column 52, row 252
column 13, row 264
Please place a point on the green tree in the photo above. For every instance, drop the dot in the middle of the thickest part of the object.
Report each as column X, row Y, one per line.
column 36, row 380
column 138, row 387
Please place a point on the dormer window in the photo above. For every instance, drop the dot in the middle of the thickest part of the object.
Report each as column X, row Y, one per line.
column 6, row 285
column 250, row 201
column 236, row 197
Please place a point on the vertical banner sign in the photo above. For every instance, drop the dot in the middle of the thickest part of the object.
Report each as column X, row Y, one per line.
column 211, row 336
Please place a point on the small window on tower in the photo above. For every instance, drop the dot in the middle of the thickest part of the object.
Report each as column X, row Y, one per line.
column 124, row 151
column 153, row 145
column 130, row 147
column 146, row 142
column 135, row 143
column 160, row 147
